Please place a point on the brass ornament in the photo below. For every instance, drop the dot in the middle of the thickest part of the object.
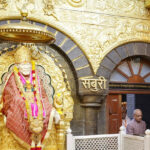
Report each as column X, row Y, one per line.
column 49, row 9
column 3, row 4
column 25, row 6
column 76, row 3
column 36, row 127
column 25, row 32
column 147, row 3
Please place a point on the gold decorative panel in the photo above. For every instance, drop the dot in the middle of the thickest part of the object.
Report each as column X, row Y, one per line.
column 147, row 3
column 97, row 26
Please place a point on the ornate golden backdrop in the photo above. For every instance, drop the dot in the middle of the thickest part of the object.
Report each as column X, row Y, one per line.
column 94, row 24
column 97, row 27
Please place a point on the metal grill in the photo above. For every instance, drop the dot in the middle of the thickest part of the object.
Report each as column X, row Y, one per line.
column 97, row 143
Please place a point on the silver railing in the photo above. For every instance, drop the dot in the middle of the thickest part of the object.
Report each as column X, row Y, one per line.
column 120, row 141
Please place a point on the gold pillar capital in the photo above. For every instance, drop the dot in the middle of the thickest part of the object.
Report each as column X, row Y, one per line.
column 147, row 3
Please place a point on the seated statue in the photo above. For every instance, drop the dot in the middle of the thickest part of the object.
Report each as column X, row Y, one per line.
column 29, row 114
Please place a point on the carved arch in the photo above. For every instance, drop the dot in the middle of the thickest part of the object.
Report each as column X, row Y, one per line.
column 114, row 57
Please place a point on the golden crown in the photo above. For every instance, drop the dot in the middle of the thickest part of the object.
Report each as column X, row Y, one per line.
column 22, row 55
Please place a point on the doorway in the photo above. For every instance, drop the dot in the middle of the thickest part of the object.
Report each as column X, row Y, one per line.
column 133, row 101
column 129, row 83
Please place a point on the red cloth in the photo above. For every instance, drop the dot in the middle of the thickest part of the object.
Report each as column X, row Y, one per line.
column 14, row 108
column 38, row 148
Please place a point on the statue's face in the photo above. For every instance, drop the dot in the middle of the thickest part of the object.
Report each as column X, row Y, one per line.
column 25, row 68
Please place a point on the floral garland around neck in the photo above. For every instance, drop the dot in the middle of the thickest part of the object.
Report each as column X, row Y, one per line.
column 38, row 104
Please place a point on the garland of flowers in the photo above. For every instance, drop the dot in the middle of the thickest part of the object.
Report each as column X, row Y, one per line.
column 19, row 85
column 23, row 94
column 35, row 89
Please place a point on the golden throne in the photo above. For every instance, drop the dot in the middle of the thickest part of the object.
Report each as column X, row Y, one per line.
column 61, row 98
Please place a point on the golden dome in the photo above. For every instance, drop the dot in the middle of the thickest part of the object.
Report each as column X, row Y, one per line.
column 25, row 32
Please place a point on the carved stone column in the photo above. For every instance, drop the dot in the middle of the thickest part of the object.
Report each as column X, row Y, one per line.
column 92, row 104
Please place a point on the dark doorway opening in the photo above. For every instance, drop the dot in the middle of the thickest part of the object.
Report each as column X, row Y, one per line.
column 131, row 81
column 142, row 101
